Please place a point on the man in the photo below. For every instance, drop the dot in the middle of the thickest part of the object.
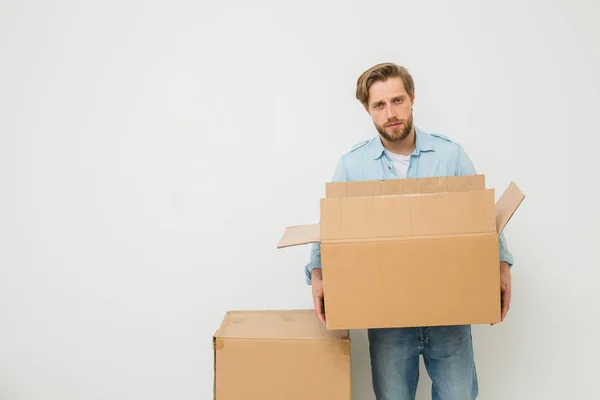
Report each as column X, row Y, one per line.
column 402, row 150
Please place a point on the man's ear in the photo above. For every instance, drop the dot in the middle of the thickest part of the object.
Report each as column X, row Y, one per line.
column 412, row 98
column 367, row 109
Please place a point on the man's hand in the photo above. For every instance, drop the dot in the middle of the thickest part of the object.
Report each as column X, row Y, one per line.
column 317, row 292
column 505, row 288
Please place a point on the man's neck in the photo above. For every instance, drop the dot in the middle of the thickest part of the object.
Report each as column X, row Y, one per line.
column 403, row 147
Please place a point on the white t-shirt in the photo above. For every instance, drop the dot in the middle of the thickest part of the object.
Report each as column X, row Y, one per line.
column 400, row 163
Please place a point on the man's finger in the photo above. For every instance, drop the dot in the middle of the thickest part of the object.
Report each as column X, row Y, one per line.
column 319, row 309
column 505, row 304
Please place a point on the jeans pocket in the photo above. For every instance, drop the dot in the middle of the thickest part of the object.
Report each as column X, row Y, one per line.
column 449, row 332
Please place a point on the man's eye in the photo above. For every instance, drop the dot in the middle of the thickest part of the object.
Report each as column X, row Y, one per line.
column 397, row 101
column 378, row 105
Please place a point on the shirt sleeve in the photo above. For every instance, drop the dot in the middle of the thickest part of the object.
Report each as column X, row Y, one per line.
column 465, row 167
column 340, row 175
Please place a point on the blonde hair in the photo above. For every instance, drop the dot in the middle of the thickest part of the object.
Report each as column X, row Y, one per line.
column 381, row 72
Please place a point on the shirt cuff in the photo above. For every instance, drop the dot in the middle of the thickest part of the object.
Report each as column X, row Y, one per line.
column 506, row 256
column 307, row 272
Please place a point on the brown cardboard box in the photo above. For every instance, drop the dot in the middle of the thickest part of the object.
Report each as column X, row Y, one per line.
column 410, row 252
column 275, row 355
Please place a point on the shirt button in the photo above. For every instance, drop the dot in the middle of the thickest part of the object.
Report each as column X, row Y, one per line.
column 390, row 167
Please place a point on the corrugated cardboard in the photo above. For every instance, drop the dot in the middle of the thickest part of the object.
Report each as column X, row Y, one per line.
column 274, row 355
column 405, row 186
column 410, row 252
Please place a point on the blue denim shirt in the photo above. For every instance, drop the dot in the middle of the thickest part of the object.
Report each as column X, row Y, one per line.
column 434, row 155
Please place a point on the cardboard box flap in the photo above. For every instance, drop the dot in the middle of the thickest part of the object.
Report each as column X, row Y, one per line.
column 463, row 183
column 507, row 205
column 379, row 217
column 300, row 234
column 275, row 324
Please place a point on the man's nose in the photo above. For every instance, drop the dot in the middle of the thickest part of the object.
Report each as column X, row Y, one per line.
column 389, row 114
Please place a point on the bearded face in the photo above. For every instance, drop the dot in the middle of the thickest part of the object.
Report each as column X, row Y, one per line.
column 390, row 107
column 395, row 130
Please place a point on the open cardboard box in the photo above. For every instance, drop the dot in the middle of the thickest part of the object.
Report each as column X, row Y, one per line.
column 410, row 252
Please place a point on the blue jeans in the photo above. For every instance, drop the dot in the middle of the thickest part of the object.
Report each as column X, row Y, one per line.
column 448, row 355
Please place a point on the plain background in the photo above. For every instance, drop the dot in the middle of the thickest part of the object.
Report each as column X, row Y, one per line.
column 151, row 154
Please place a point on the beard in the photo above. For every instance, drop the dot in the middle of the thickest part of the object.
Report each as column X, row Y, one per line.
column 395, row 134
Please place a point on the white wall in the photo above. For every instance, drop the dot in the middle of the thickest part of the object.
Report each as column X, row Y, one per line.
column 151, row 154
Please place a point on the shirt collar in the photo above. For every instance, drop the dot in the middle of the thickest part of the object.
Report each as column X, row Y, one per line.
column 422, row 143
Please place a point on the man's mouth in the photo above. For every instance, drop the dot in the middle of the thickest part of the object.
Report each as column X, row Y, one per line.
column 395, row 125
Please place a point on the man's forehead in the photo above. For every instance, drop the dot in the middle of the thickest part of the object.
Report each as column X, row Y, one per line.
column 386, row 89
